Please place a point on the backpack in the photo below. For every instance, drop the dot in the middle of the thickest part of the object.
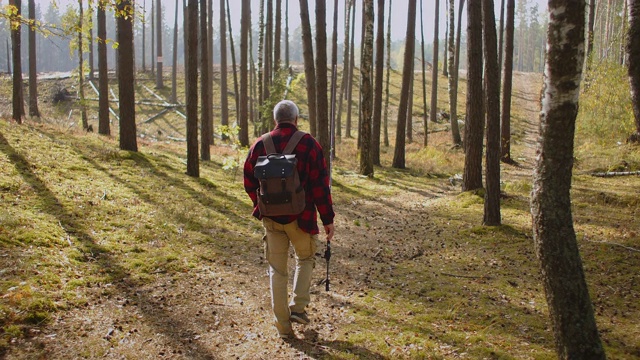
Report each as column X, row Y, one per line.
column 280, row 192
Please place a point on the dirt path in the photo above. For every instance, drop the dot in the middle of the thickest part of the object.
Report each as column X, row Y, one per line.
column 221, row 308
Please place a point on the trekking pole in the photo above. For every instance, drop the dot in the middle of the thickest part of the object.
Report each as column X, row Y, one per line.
column 327, row 256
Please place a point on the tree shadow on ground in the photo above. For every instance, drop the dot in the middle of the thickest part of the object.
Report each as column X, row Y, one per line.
column 312, row 345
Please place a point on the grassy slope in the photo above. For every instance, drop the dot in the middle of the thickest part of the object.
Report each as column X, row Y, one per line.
column 104, row 252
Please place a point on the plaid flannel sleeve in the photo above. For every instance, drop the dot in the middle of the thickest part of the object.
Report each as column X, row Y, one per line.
column 251, row 184
column 319, row 179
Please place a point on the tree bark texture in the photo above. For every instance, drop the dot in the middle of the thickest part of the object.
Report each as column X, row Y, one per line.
column 399, row 154
column 474, row 127
column 33, row 78
column 492, row 93
column 434, row 71
column 174, row 67
column 159, row 83
column 309, row 66
column 572, row 317
column 277, row 36
column 322, row 101
column 233, row 63
column 83, row 108
column 633, row 59
column 334, row 85
column 366, row 65
column 224, row 100
column 18, row 101
column 191, row 90
column 206, row 125
column 377, row 103
column 505, row 126
column 352, row 66
column 386, row 91
column 453, row 75
column 126, row 79
column 345, row 67
column 425, row 108
column 245, row 28
column 104, row 127
column 455, row 129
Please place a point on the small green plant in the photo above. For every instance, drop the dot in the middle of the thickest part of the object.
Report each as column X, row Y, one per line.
column 231, row 163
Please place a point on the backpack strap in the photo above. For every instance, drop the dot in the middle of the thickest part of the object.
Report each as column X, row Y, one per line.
column 293, row 142
column 269, row 146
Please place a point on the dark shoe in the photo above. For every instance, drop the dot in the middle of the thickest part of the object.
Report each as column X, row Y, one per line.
column 300, row 318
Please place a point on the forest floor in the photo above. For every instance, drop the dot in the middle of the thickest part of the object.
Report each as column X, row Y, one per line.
column 109, row 254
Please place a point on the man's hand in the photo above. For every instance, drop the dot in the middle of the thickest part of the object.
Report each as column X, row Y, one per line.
column 329, row 230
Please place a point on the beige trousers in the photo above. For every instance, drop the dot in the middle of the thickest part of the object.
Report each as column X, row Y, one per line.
column 277, row 240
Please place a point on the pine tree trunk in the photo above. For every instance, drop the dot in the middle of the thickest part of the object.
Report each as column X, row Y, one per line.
column 351, row 70
column 261, row 99
column 377, row 103
column 205, row 88
column 453, row 77
column 174, row 67
column 386, row 91
column 286, row 34
column 410, row 109
column 191, row 88
column 159, row 83
column 322, row 102
column 334, row 80
column 104, row 127
column 633, row 59
column 501, row 35
column 126, row 79
column 425, row 109
column 492, row 94
column 447, row 34
column 8, row 57
column 153, row 37
column 434, row 71
column 505, row 130
column 399, row 154
column 345, row 67
column 33, row 71
column 309, row 67
column 233, row 62
column 144, row 35
column 366, row 155
column 277, row 37
column 224, row 100
column 570, row 309
column 245, row 28
column 91, row 69
column 474, row 127
column 83, row 109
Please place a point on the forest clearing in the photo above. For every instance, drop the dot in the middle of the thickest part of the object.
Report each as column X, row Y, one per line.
column 108, row 253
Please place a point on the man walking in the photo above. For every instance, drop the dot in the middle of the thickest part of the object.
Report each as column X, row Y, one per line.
column 300, row 230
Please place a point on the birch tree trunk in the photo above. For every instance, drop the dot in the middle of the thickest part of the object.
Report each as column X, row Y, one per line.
column 570, row 309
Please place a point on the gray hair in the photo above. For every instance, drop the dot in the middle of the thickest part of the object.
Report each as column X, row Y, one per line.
column 285, row 111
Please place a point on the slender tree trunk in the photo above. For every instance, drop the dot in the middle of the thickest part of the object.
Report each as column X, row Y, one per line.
column 377, row 103
column 345, row 67
column 434, row 73
column 277, row 37
column 505, row 131
column 322, row 103
column 286, row 34
column 454, row 53
column 633, row 60
column 191, row 88
column 309, row 67
column 174, row 68
column 159, row 83
column 144, row 35
column 410, row 108
column 91, row 69
column 224, row 100
column 570, row 309
column 104, row 127
column 245, row 27
column 500, row 35
column 334, row 79
column 18, row 100
column 261, row 50
column 447, row 34
column 624, row 32
column 424, row 81
column 205, row 88
column 366, row 65
column 233, row 62
column 33, row 71
column 386, row 91
column 153, row 37
column 128, row 137
column 83, row 109
column 8, row 57
column 492, row 94
column 399, row 154
column 474, row 128
column 351, row 70
column 267, row 57
column 359, row 142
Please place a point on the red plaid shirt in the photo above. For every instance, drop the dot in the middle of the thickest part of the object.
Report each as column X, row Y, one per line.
column 313, row 173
